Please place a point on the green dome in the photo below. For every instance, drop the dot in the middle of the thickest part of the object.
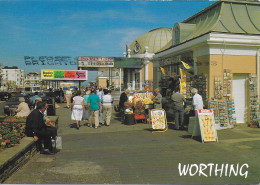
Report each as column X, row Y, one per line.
column 155, row 39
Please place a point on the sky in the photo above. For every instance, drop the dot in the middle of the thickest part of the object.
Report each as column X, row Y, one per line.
column 67, row 28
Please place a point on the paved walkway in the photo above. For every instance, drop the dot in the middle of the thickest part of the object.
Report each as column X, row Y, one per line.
column 122, row 154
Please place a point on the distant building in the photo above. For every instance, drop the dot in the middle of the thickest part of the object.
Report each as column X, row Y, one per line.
column 12, row 77
column 33, row 79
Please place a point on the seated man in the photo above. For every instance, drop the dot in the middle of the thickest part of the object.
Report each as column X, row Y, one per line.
column 36, row 127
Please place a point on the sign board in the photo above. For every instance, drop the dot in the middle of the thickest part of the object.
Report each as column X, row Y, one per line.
column 207, row 125
column 158, row 119
column 64, row 75
column 183, row 83
column 95, row 61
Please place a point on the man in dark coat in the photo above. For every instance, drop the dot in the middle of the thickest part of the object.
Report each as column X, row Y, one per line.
column 122, row 100
column 36, row 127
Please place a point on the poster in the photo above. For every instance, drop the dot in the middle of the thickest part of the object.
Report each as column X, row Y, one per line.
column 207, row 125
column 158, row 119
column 64, row 74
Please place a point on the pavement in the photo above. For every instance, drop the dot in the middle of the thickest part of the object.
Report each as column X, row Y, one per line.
column 122, row 154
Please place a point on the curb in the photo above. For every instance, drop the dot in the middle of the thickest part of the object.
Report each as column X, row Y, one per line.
column 14, row 158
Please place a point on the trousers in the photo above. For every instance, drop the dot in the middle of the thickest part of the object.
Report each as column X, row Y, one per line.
column 107, row 109
column 178, row 116
column 94, row 114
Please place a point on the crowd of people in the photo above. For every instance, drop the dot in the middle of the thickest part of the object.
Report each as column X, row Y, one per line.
column 94, row 105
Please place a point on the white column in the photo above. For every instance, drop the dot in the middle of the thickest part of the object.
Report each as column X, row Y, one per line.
column 133, row 80
column 140, row 72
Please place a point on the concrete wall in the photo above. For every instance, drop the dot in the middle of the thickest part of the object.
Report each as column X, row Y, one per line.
column 237, row 64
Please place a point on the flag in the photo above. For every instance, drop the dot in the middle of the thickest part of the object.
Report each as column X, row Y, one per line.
column 163, row 70
column 185, row 65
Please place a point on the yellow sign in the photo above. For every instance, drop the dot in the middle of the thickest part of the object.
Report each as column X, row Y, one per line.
column 207, row 125
column 47, row 74
column 158, row 119
column 183, row 82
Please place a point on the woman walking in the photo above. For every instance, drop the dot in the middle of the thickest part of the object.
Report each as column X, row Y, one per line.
column 77, row 108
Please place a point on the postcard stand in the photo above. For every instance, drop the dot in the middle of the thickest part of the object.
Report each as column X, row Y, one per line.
column 158, row 120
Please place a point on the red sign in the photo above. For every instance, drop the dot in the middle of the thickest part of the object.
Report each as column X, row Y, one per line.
column 205, row 110
column 70, row 74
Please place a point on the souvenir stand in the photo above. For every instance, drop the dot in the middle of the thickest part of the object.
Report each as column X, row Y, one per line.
column 129, row 116
column 189, row 81
column 222, row 104
column 254, row 101
column 142, row 102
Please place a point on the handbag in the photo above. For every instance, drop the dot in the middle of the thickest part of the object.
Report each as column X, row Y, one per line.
column 58, row 142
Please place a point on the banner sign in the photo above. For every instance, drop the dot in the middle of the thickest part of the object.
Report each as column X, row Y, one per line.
column 95, row 62
column 207, row 125
column 64, row 75
column 50, row 60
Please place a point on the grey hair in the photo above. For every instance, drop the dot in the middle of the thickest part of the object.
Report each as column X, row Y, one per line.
column 194, row 91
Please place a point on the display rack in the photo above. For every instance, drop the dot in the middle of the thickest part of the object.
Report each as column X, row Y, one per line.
column 218, row 92
column 188, row 82
column 223, row 113
column 213, row 104
column 231, row 111
column 254, row 100
column 227, row 83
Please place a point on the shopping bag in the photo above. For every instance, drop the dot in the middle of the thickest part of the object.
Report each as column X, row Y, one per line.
column 59, row 142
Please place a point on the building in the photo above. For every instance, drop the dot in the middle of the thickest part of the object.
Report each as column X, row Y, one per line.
column 223, row 42
column 33, row 79
column 12, row 77
column 144, row 47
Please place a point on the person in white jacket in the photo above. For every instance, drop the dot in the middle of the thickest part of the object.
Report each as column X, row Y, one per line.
column 197, row 101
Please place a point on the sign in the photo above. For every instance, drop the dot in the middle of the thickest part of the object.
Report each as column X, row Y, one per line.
column 95, row 62
column 64, row 75
column 50, row 60
column 183, row 84
column 158, row 119
column 207, row 125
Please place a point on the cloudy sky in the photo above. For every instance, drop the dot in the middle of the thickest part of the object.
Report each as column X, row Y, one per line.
column 81, row 28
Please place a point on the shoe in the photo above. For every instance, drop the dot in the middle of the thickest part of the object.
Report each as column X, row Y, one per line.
column 107, row 125
column 96, row 127
column 46, row 152
column 88, row 125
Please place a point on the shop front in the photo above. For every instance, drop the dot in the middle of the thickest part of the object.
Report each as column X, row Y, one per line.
column 221, row 47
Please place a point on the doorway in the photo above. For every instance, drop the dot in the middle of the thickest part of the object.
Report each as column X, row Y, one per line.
column 240, row 89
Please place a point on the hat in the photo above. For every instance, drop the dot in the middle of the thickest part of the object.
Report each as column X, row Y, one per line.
column 21, row 99
column 38, row 99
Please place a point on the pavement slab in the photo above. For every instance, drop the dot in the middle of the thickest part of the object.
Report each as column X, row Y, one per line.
column 121, row 154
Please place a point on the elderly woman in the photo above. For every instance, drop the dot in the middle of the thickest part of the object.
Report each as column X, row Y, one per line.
column 77, row 108
column 157, row 100
column 23, row 109
column 197, row 101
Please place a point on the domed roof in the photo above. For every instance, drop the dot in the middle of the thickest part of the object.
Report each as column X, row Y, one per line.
column 154, row 39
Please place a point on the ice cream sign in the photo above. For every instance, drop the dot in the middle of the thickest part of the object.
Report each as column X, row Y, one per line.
column 64, row 74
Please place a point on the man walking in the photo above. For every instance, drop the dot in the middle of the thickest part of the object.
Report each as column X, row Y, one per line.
column 94, row 107
column 178, row 107
column 68, row 97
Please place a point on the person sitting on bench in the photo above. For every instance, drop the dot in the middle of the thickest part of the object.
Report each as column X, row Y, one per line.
column 37, row 127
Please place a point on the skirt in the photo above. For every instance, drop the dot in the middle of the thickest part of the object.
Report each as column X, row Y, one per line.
column 77, row 112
